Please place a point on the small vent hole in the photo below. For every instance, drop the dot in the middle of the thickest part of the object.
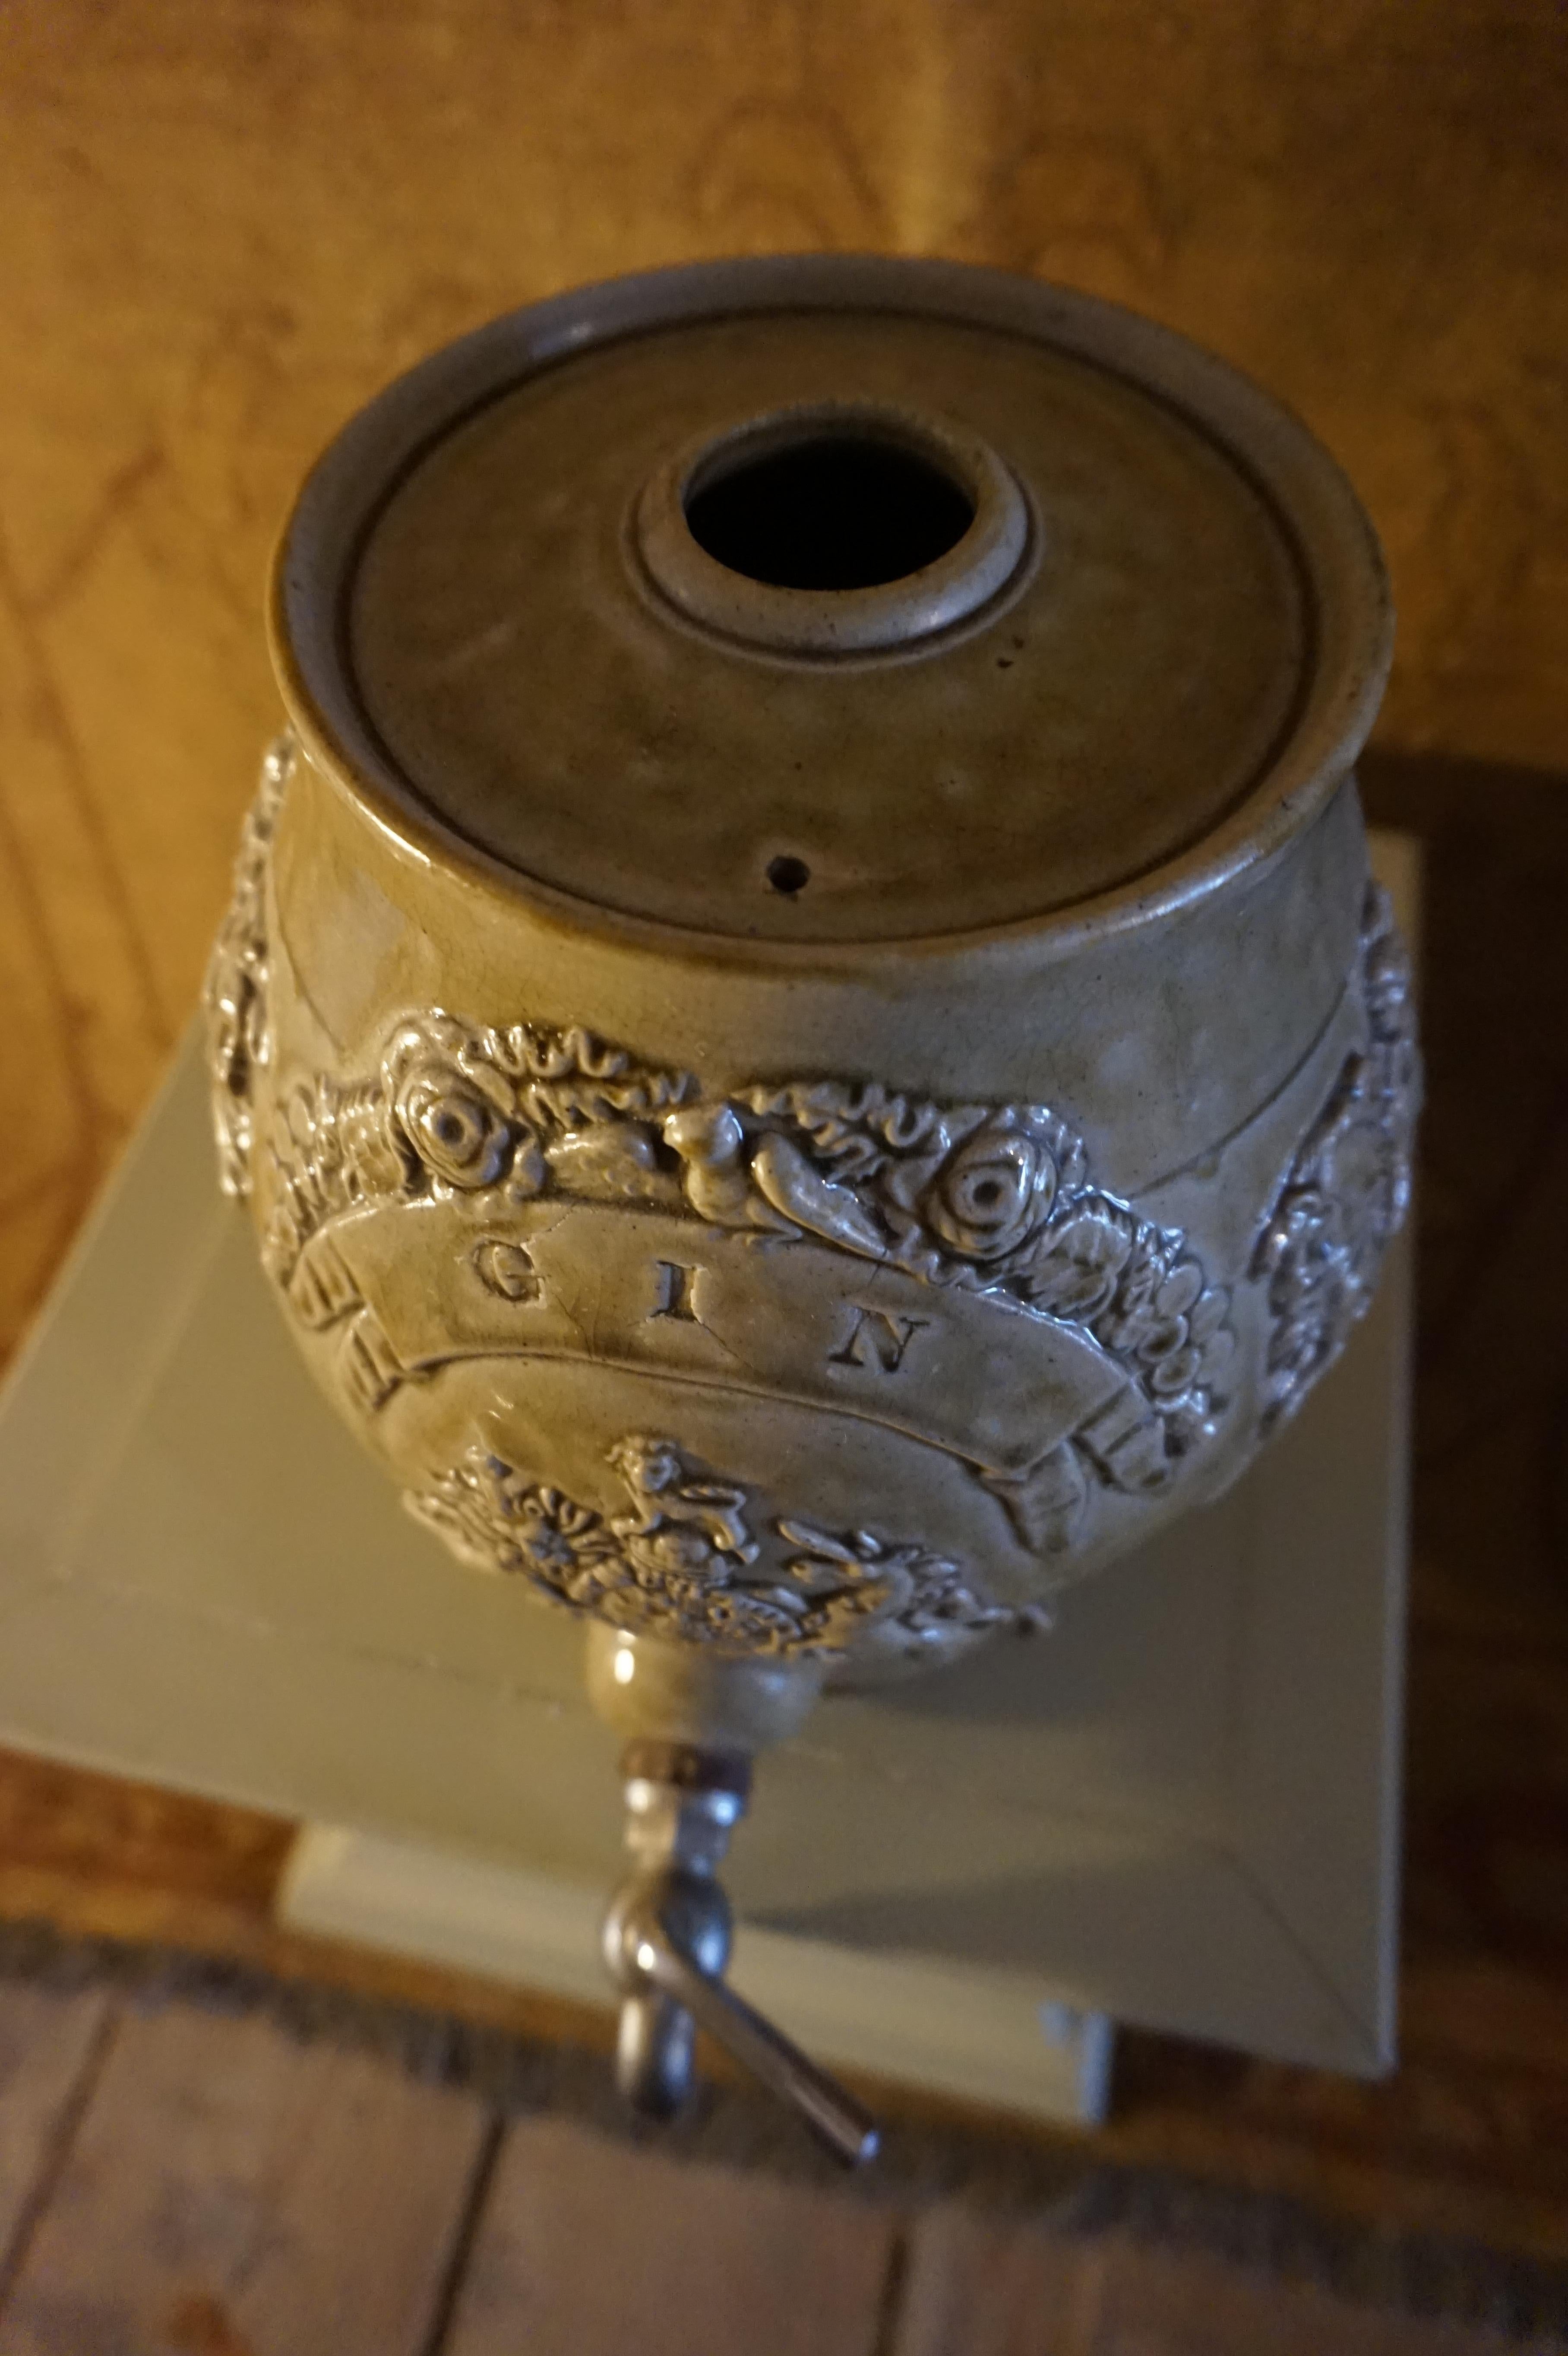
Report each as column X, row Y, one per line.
column 788, row 875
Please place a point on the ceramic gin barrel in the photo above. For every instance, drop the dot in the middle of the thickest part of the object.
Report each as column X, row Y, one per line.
column 804, row 1021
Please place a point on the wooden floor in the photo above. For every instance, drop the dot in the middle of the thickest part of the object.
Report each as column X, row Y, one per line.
column 177, row 2178
column 182, row 2181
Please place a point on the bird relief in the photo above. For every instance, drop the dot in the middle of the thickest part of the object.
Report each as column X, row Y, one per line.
column 683, row 1561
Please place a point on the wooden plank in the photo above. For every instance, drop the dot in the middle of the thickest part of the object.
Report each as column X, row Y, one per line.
column 973, row 2287
column 1159, row 2304
column 585, row 2248
column 47, row 2044
column 977, row 2288
column 231, row 2192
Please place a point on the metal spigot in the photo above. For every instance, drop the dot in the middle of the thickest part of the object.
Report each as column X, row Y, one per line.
column 667, row 1943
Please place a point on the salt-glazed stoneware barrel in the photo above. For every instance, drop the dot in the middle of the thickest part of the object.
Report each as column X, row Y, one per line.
column 804, row 1019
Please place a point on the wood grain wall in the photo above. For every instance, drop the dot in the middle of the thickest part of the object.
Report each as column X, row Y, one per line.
column 224, row 222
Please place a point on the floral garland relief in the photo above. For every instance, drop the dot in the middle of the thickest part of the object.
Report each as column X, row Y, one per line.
column 993, row 1199
column 682, row 1561
column 1346, row 1192
column 235, row 996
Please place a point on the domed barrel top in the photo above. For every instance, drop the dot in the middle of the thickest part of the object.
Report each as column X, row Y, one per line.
column 900, row 603
column 1119, row 686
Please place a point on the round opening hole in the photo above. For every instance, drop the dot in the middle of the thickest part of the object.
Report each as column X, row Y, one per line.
column 788, row 875
column 836, row 511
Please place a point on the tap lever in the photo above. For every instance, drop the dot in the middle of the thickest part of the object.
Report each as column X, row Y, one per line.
column 667, row 1943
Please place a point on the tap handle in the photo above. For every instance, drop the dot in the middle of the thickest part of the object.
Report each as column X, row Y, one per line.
column 665, row 1988
column 828, row 2109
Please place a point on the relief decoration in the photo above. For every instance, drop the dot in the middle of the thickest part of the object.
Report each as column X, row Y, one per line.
column 990, row 1199
column 986, row 1203
column 1347, row 1190
column 235, row 993
column 681, row 1562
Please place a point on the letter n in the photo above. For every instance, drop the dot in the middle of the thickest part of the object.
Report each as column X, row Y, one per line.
column 877, row 1338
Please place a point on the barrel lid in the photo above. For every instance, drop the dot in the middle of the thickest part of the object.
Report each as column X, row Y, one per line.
column 817, row 601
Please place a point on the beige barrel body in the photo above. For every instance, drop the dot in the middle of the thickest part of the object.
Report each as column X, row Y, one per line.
column 798, row 1115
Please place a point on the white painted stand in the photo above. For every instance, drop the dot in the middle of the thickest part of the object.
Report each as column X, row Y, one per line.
column 987, row 2035
column 1180, row 1809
